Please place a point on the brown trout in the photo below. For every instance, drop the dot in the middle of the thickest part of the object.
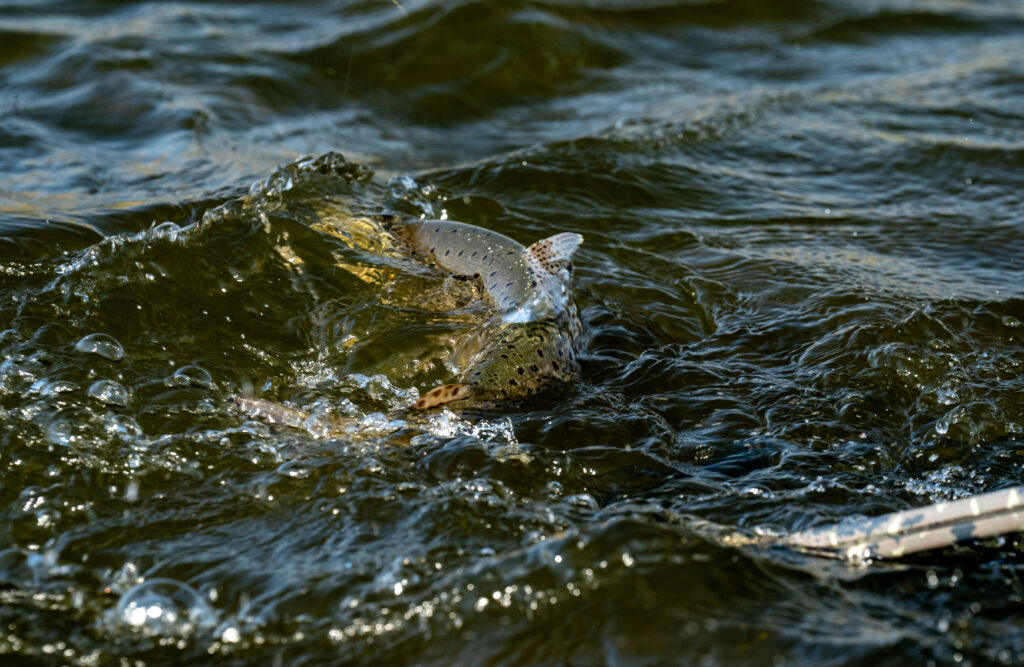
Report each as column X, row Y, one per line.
column 532, row 341
column 529, row 344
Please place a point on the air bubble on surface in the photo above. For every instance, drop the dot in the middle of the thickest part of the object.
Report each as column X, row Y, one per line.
column 109, row 392
column 583, row 501
column 46, row 387
column 73, row 428
column 190, row 376
column 164, row 607
column 122, row 425
column 102, row 344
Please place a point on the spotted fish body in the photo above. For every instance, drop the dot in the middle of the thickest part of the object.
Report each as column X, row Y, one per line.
column 533, row 340
column 523, row 284
column 524, row 358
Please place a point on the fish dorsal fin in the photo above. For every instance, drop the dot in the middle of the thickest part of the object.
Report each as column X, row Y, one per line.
column 555, row 252
column 446, row 393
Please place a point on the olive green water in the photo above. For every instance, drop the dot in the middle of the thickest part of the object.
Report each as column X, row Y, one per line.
column 802, row 277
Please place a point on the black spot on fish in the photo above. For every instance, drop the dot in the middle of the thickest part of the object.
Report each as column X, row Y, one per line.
column 484, row 257
column 492, row 274
column 520, row 370
column 540, row 353
column 561, row 352
column 512, row 382
column 447, row 252
column 554, row 364
column 533, row 367
column 474, row 253
column 460, row 252
column 533, row 284
column 476, row 275
column 504, row 356
column 433, row 250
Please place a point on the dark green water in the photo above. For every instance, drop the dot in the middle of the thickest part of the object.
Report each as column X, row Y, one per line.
column 802, row 273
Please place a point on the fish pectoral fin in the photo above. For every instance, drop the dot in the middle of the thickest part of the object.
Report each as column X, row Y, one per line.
column 555, row 252
column 446, row 393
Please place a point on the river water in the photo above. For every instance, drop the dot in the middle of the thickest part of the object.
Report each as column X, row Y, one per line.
column 802, row 277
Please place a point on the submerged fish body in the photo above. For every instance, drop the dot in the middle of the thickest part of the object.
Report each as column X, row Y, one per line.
column 521, row 359
column 532, row 341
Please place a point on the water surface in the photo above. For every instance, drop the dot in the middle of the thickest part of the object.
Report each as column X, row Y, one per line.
column 801, row 272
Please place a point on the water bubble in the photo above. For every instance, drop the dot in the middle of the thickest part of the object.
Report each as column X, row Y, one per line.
column 102, row 344
column 122, row 425
column 582, row 501
column 190, row 375
column 13, row 373
column 72, row 428
column 165, row 607
column 109, row 392
column 125, row 578
column 46, row 387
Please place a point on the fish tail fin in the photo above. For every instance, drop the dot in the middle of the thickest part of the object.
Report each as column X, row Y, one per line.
column 446, row 393
column 555, row 252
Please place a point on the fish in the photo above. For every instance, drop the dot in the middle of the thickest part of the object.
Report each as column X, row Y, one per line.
column 530, row 342
column 533, row 340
